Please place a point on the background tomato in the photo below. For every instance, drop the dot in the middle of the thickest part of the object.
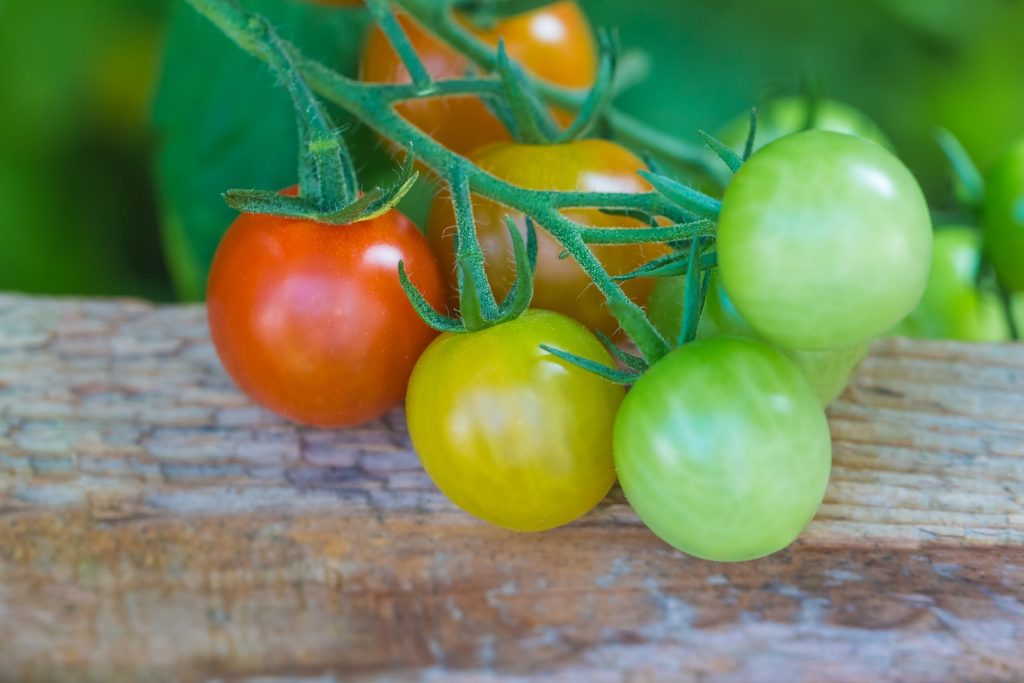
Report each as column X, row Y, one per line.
column 1003, row 219
column 788, row 115
column 554, row 43
column 510, row 433
column 953, row 305
column 723, row 450
column 310, row 319
column 561, row 285
column 828, row 372
column 824, row 241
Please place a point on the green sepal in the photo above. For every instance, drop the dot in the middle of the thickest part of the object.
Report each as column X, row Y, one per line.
column 599, row 369
column 628, row 359
column 968, row 182
column 652, row 164
column 374, row 203
column 424, row 310
column 668, row 233
column 269, row 202
column 670, row 265
column 532, row 120
column 688, row 198
column 600, row 95
column 728, row 157
column 748, row 147
column 521, row 293
column 695, row 292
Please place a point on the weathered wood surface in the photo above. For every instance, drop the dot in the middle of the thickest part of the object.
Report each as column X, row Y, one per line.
column 155, row 526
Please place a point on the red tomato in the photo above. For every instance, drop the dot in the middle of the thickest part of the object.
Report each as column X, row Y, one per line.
column 310, row 319
column 554, row 43
column 561, row 285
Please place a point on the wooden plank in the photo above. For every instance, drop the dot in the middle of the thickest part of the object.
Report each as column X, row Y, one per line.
column 155, row 526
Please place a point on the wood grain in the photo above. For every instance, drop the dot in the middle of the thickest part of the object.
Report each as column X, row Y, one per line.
column 155, row 526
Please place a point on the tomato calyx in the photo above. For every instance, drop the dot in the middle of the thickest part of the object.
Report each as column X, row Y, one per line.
column 366, row 206
column 477, row 304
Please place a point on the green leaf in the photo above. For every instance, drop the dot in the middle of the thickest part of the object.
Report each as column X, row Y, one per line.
column 223, row 121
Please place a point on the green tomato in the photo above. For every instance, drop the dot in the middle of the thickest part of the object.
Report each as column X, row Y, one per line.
column 723, row 449
column 1003, row 218
column 828, row 372
column 510, row 433
column 953, row 305
column 824, row 241
column 788, row 115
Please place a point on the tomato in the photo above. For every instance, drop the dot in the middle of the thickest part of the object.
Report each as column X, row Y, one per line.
column 561, row 285
column 554, row 43
column 1003, row 218
column 953, row 306
column 723, row 449
column 311, row 321
column 824, row 241
column 788, row 115
column 828, row 372
column 510, row 433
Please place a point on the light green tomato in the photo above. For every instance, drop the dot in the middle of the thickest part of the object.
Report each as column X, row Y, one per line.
column 723, row 449
column 824, row 241
column 788, row 115
column 1003, row 219
column 828, row 372
column 953, row 305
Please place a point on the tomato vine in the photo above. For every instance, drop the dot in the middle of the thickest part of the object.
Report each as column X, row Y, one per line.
column 690, row 213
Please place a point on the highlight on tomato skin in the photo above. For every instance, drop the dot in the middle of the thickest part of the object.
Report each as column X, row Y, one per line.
column 560, row 284
column 510, row 433
column 311, row 321
column 554, row 43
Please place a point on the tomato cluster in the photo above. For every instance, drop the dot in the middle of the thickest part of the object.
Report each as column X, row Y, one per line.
column 824, row 242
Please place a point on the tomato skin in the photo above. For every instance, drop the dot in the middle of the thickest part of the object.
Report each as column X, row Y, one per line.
column 310, row 320
column 723, row 450
column 554, row 43
column 788, row 115
column 953, row 307
column 828, row 372
column 560, row 284
column 510, row 433
column 824, row 241
column 1003, row 218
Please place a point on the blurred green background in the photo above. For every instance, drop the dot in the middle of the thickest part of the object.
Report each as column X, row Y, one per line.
column 105, row 192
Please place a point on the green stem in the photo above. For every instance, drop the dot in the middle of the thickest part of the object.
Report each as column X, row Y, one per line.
column 478, row 305
column 438, row 18
column 399, row 39
column 372, row 104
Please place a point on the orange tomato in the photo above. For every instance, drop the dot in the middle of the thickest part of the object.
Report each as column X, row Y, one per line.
column 561, row 285
column 554, row 43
